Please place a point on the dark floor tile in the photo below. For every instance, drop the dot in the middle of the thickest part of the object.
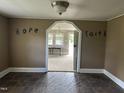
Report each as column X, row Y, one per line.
column 58, row 82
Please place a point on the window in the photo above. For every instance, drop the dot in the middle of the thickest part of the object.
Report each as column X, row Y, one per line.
column 71, row 37
column 50, row 39
column 59, row 39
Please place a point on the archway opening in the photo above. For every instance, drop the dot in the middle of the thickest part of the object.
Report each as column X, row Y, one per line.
column 63, row 45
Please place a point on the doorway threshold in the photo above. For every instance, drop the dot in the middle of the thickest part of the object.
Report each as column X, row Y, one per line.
column 61, row 71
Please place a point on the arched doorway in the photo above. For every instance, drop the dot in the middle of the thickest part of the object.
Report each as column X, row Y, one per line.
column 76, row 46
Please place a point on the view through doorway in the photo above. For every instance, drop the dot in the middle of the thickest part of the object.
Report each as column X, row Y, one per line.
column 62, row 41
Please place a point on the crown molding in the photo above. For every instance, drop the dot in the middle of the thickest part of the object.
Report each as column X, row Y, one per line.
column 109, row 19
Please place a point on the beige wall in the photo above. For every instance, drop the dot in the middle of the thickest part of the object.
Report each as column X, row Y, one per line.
column 114, row 61
column 3, row 43
column 28, row 50
column 93, row 48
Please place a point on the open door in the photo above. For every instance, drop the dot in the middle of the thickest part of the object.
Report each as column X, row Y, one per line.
column 75, row 49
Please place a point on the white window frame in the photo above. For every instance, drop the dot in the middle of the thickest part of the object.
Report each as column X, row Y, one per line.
column 61, row 42
column 52, row 37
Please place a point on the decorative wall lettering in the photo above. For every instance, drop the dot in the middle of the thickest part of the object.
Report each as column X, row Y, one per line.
column 36, row 30
column 91, row 34
column 30, row 29
column 99, row 33
column 95, row 33
column 24, row 30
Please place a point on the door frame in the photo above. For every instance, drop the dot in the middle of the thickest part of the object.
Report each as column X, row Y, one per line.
column 79, row 43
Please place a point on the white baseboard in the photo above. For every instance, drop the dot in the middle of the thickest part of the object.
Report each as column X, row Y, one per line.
column 16, row 69
column 19, row 69
column 91, row 70
column 114, row 78
column 108, row 74
column 4, row 72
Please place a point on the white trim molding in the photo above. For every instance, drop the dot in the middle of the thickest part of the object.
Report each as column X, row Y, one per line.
column 115, row 17
column 108, row 74
column 20, row 69
column 79, row 42
column 114, row 78
column 85, row 70
column 4, row 72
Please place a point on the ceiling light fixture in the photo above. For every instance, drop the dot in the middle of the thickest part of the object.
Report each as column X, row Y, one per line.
column 60, row 6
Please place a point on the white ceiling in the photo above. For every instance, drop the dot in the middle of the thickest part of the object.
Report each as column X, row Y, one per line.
column 78, row 9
